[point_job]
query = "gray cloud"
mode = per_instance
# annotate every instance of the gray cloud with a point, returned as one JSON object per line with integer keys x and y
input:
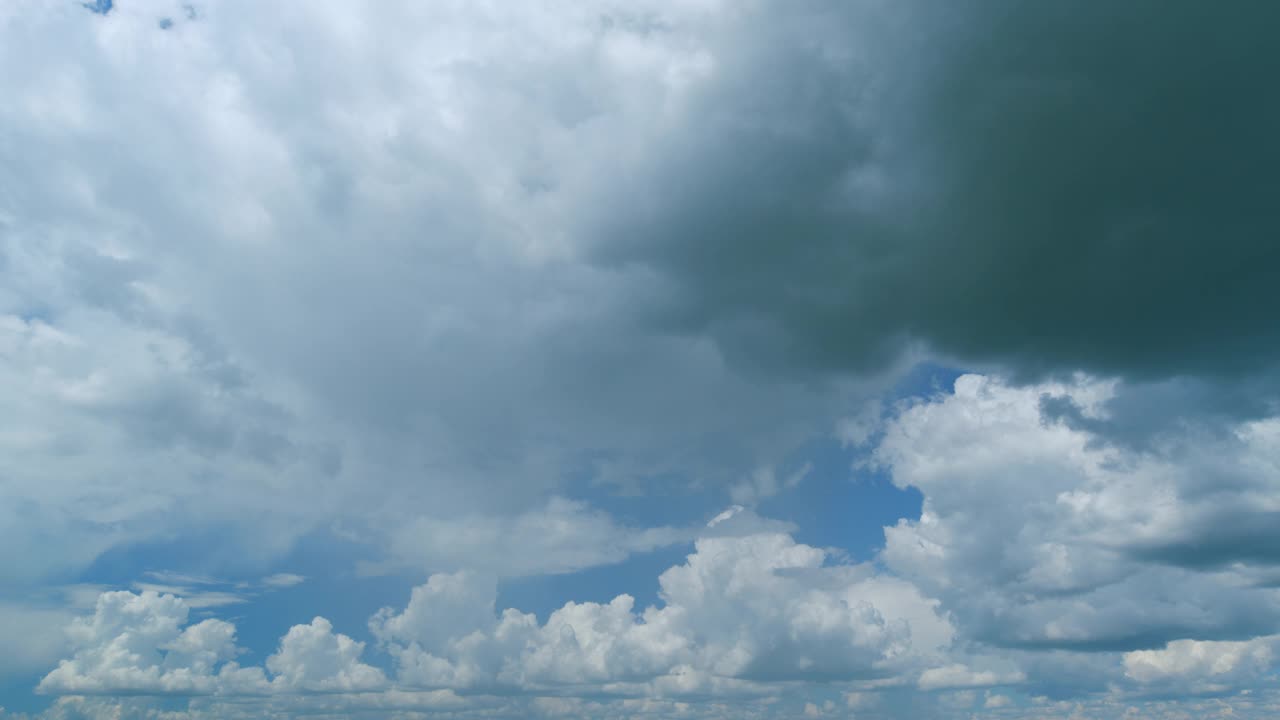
{"x": 262, "y": 272}
{"x": 1046, "y": 188}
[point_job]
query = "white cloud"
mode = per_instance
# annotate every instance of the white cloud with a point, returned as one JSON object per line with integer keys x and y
{"x": 753, "y": 608}
{"x": 283, "y": 580}
{"x": 313, "y": 657}
{"x": 743, "y": 613}
{"x": 192, "y": 598}
{"x": 1194, "y": 661}
{"x": 200, "y": 591}
{"x": 995, "y": 700}
{"x": 1039, "y": 535}
{"x": 138, "y": 643}
{"x": 142, "y": 644}
{"x": 745, "y": 618}
{"x": 960, "y": 676}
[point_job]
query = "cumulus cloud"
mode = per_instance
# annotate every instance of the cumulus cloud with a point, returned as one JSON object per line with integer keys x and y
{"x": 142, "y": 644}
{"x": 994, "y": 701}
{"x": 754, "y": 608}
{"x": 1037, "y": 536}
{"x": 1199, "y": 662}
{"x": 313, "y": 657}
{"x": 744, "y": 615}
{"x": 961, "y": 676}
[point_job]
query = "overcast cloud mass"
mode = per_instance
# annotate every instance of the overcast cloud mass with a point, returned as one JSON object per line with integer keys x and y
{"x": 639, "y": 359}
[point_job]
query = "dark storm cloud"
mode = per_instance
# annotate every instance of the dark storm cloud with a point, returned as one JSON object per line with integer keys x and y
{"x": 1046, "y": 187}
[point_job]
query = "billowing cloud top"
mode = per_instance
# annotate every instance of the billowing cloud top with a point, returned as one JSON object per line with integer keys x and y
{"x": 639, "y": 359}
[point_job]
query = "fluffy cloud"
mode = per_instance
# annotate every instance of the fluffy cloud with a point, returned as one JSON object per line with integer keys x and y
{"x": 313, "y": 657}
{"x": 750, "y": 616}
{"x": 960, "y": 676}
{"x": 744, "y": 615}
{"x": 142, "y": 644}
{"x": 1046, "y": 540}
{"x": 1041, "y": 535}
{"x": 138, "y": 644}
{"x": 750, "y": 608}
{"x": 1198, "y": 663}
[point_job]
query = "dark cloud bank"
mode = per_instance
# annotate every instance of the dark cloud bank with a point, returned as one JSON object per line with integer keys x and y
{"x": 1046, "y": 187}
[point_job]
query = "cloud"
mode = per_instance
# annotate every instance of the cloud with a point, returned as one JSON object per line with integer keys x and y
{"x": 742, "y": 616}
{"x": 960, "y": 676}
{"x": 1037, "y": 536}
{"x": 142, "y": 644}
{"x": 201, "y": 591}
{"x": 754, "y": 608}
{"x": 747, "y": 618}
{"x": 437, "y": 273}
{"x": 313, "y": 657}
{"x": 764, "y": 482}
{"x": 994, "y": 701}
{"x": 282, "y": 580}
{"x": 33, "y": 637}
{"x": 973, "y": 180}
{"x": 138, "y": 644}
{"x": 344, "y": 287}
{"x": 1065, "y": 557}
{"x": 193, "y": 599}
{"x": 559, "y": 537}
{"x": 1192, "y": 664}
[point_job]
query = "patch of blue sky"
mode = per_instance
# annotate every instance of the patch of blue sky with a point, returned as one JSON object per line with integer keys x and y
{"x": 102, "y": 7}
{"x": 839, "y": 504}
{"x": 636, "y": 576}
{"x": 925, "y": 380}
{"x": 843, "y": 502}
{"x": 333, "y": 589}
{"x": 16, "y": 694}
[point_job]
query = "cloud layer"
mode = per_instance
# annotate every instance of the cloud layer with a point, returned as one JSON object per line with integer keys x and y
{"x": 742, "y": 612}
{"x": 1079, "y": 605}
{"x": 479, "y": 292}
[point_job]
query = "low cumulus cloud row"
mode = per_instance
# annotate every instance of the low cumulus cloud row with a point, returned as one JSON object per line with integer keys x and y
{"x": 742, "y": 612}
{"x": 1087, "y": 600}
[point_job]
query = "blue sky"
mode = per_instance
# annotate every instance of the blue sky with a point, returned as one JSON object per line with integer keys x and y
{"x": 639, "y": 359}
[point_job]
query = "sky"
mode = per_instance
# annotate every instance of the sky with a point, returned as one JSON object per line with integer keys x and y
{"x": 639, "y": 359}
